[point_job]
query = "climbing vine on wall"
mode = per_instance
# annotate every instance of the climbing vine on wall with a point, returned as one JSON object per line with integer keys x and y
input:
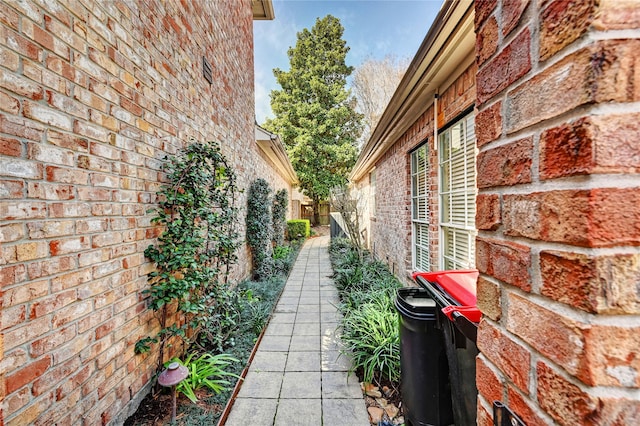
{"x": 197, "y": 212}
{"x": 279, "y": 210}
{"x": 260, "y": 228}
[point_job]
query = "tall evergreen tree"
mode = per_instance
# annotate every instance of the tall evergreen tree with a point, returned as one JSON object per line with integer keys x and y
{"x": 315, "y": 112}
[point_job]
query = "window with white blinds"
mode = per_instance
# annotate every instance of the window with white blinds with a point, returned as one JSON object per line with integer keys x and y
{"x": 420, "y": 207}
{"x": 458, "y": 194}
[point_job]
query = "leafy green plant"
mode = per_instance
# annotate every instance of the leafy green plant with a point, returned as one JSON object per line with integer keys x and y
{"x": 370, "y": 333}
{"x": 281, "y": 252}
{"x": 279, "y": 211}
{"x": 221, "y": 318}
{"x": 259, "y": 228}
{"x": 370, "y": 323}
{"x": 205, "y": 371}
{"x": 196, "y": 211}
{"x": 259, "y": 314}
{"x": 283, "y": 258}
{"x": 250, "y": 295}
{"x": 298, "y": 229}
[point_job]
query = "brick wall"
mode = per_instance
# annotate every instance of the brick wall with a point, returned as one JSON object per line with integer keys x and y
{"x": 277, "y": 179}
{"x": 391, "y": 230}
{"x": 559, "y": 210}
{"x": 93, "y": 95}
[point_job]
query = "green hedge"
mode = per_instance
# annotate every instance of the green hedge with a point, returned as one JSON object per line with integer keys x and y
{"x": 298, "y": 228}
{"x": 259, "y": 228}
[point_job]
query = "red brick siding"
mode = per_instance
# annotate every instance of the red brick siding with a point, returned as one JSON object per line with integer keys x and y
{"x": 392, "y": 229}
{"x": 559, "y": 211}
{"x": 93, "y": 96}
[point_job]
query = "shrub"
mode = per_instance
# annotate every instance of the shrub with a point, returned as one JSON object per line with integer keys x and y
{"x": 298, "y": 229}
{"x": 222, "y": 318}
{"x": 279, "y": 210}
{"x": 255, "y": 312}
{"x": 197, "y": 246}
{"x": 283, "y": 257}
{"x": 257, "y": 302}
{"x": 370, "y": 322}
{"x": 259, "y": 229}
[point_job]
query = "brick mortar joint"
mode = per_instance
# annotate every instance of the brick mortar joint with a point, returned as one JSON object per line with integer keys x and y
{"x": 538, "y": 246}
{"x": 570, "y": 183}
{"x": 579, "y": 112}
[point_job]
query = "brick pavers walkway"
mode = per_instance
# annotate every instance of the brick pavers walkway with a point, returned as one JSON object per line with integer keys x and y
{"x": 298, "y": 376}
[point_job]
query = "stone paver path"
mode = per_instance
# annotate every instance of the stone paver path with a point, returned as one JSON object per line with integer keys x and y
{"x": 298, "y": 376}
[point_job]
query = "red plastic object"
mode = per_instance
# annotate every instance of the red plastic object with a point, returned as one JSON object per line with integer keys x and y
{"x": 461, "y": 286}
{"x": 472, "y": 313}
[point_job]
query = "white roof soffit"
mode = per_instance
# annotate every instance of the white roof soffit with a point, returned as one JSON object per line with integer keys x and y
{"x": 449, "y": 44}
{"x": 271, "y": 145}
{"x": 262, "y": 9}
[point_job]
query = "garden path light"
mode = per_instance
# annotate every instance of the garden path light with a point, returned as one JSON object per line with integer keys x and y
{"x": 170, "y": 377}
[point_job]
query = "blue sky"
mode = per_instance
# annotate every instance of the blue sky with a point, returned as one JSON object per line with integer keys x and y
{"x": 373, "y": 28}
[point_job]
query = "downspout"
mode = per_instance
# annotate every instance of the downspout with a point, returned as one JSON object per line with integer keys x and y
{"x": 435, "y": 149}
{"x": 435, "y": 121}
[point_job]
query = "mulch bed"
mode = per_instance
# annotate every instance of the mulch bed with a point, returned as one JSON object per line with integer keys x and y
{"x": 154, "y": 410}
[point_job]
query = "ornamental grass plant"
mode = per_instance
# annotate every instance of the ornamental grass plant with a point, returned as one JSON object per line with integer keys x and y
{"x": 370, "y": 324}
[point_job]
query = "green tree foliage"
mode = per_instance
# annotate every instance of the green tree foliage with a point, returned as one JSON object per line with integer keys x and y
{"x": 315, "y": 113}
{"x": 280, "y": 201}
{"x": 259, "y": 228}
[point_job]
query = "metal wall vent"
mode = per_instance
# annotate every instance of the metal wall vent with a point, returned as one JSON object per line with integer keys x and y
{"x": 206, "y": 70}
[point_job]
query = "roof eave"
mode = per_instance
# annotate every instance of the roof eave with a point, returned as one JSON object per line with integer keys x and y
{"x": 271, "y": 145}
{"x": 262, "y": 10}
{"x": 427, "y": 71}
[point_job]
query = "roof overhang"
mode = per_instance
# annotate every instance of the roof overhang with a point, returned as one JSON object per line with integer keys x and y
{"x": 262, "y": 9}
{"x": 272, "y": 147}
{"x": 446, "y": 51}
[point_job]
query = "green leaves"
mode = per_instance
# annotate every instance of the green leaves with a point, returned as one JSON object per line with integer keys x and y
{"x": 371, "y": 334}
{"x": 370, "y": 322}
{"x": 206, "y": 371}
{"x": 260, "y": 228}
{"x": 298, "y": 229}
{"x": 197, "y": 213}
{"x": 314, "y": 112}
{"x": 143, "y": 345}
{"x": 279, "y": 212}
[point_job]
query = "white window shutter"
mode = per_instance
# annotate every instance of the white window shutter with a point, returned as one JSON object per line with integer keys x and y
{"x": 420, "y": 170}
{"x": 458, "y": 194}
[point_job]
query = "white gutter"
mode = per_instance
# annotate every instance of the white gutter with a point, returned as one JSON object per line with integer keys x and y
{"x": 271, "y": 145}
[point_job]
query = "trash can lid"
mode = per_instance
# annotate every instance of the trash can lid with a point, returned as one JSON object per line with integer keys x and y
{"x": 460, "y": 285}
{"x": 415, "y": 303}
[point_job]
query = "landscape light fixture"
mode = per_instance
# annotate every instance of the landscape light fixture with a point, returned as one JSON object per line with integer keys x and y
{"x": 170, "y": 377}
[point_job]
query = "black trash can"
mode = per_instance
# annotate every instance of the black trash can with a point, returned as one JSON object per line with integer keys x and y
{"x": 426, "y": 393}
{"x": 455, "y": 295}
